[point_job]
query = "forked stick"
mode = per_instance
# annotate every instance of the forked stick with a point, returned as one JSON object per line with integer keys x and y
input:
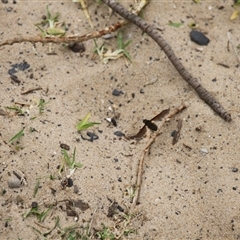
{"x": 146, "y": 149}
{"x": 154, "y": 34}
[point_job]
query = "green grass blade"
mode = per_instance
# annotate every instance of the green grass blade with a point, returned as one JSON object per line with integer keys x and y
{"x": 17, "y": 136}
{"x": 66, "y": 158}
{"x": 84, "y": 124}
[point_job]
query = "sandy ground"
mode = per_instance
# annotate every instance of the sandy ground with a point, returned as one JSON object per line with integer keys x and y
{"x": 189, "y": 190}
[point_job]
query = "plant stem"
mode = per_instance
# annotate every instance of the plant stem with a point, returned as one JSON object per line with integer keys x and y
{"x": 154, "y": 34}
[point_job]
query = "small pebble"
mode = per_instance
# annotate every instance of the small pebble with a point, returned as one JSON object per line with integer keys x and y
{"x": 199, "y": 38}
{"x": 204, "y": 151}
{"x": 92, "y": 136}
{"x": 69, "y": 182}
{"x": 119, "y": 134}
{"x": 116, "y": 92}
{"x": 14, "y": 182}
{"x": 4, "y": 1}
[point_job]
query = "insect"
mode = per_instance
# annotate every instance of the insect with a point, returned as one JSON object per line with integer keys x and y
{"x": 149, "y": 124}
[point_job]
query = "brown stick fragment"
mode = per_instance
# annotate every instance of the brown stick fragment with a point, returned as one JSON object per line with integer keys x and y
{"x": 154, "y": 34}
{"x": 146, "y": 149}
{"x": 31, "y": 90}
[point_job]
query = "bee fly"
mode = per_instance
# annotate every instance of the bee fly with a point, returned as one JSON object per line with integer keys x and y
{"x": 149, "y": 124}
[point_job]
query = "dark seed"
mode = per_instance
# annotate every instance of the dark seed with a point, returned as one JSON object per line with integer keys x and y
{"x": 199, "y": 38}
{"x": 64, "y": 146}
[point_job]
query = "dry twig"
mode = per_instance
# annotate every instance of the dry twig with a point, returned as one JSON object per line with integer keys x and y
{"x": 146, "y": 149}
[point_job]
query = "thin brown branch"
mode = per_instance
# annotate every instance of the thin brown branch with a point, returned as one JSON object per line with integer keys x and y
{"x": 64, "y": 39}
{"x": 146, "y": 149}
{"x": 154, "y": 34}
{"x": 31, "y": 90}
{"x": 74, "y": 38}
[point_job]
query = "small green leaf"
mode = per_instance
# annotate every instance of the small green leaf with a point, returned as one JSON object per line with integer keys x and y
{"x": 84, "y": 124}
{"x": 174, "y": 24}
{"x": 17, "y": 136}
{"x": 197, "y": 1}
{"x": 56, "y": 31}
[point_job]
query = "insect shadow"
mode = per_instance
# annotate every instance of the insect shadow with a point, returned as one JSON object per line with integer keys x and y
{"x": 150, "y": 124}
